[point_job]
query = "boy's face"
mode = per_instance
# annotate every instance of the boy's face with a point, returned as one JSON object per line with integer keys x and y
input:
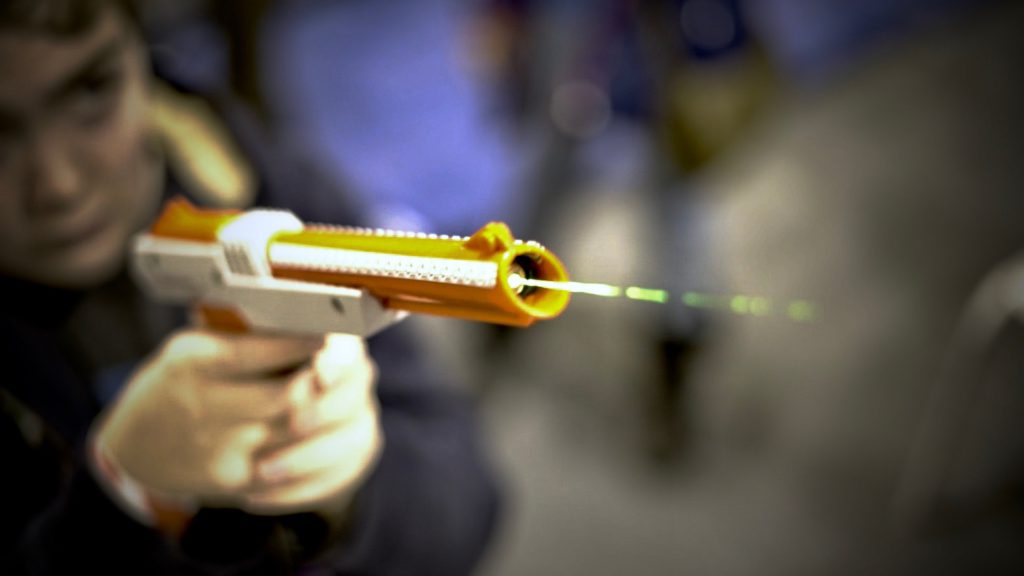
{"x": 76, "y": 176}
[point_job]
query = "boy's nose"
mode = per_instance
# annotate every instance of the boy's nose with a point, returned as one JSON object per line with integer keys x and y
{"x": 54, "y": 177}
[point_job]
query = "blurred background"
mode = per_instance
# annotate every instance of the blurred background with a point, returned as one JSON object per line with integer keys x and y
{"x": 829, "y": 191}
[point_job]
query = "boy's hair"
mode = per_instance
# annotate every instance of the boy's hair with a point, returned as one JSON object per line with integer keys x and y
{"x": 58, "y": 17}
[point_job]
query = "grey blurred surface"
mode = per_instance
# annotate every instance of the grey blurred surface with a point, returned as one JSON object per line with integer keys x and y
{"x": 884, "y": 199}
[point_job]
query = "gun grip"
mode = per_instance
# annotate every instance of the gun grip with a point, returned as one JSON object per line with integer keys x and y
{"x": 223, "y": 319}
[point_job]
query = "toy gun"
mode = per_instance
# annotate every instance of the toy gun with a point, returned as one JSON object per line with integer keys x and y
{"x": 265, "y": 270}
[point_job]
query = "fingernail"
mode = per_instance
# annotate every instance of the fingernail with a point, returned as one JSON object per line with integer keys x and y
{"x": 273, "y": 471}
{"x": 306, "y": 422}
{"x": 319, "y": 387}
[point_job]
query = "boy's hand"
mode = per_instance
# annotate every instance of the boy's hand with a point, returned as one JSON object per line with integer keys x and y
{"x": 266, "y": 424}
{"x": 333, "y": 435}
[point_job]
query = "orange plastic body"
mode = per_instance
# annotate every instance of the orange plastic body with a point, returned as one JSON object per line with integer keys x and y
{"x": 494, "y": 243}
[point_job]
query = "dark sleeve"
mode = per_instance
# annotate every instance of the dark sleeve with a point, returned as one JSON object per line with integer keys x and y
{"x": 84, "y": 532}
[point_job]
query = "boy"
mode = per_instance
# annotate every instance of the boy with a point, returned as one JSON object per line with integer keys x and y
{"x": 240, "y": 453}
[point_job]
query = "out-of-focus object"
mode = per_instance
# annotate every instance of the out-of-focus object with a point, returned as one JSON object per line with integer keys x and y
{"x": 959, "y": 394}
{"x": 265, "y": 270}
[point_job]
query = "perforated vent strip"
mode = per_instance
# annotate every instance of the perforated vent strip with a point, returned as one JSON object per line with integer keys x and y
{"x": 341, "y": 261}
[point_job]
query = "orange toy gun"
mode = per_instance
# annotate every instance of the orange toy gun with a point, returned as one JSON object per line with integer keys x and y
{"x": 265, "y": 270}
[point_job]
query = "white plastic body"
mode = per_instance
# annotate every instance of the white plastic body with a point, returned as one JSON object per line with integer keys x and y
{"x": 234, "y": 274}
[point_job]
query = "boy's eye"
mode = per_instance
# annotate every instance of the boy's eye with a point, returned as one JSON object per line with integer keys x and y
{"x": 94, "y": 98}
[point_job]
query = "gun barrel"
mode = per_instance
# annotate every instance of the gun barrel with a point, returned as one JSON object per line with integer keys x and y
{"x": 462, "y": 277}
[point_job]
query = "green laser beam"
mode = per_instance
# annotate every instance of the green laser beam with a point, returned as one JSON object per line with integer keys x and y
{"x": 647, "y": 294}
{"x": 606, "y": 290}
{"x": 737, "y": 304}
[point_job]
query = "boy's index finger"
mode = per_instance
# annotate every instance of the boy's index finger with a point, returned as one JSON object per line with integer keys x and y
{"x": 341, "y": 354}
{"x": 261, "y": 356}
{"x": 242, "y": 355}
